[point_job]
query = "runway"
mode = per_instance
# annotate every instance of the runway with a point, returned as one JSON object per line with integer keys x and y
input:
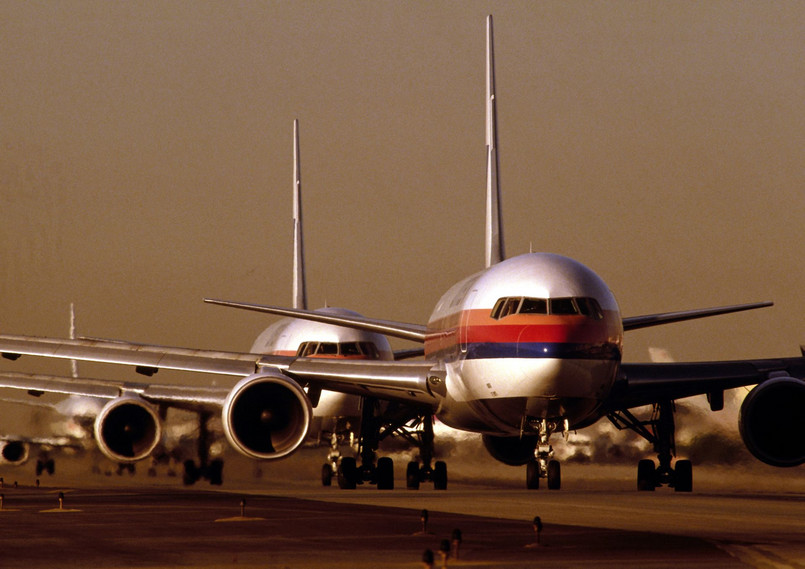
{"x": 141, "y": 522}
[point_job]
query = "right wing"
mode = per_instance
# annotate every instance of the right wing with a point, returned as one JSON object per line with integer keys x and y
{"x": 412, "y": 382}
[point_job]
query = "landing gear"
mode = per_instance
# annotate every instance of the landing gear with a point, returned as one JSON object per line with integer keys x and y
{"x": 206, "y": 469}
{"x": 45, "y": 465}
{"x": 659, "y": 430}
{"x": 377, "y": 423}
{"x": 543, "y": 465}
{"x": 420, "y": 434}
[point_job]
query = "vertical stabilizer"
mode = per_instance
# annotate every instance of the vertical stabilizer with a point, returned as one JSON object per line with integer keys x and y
{"x": 299, "y": 290}
{"x": 494, "y": 225}
{"x": 73, "y": 363}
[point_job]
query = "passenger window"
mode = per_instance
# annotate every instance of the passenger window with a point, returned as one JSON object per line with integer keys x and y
{"x": 563, "y": 306}
{"x": 534, "y": 306}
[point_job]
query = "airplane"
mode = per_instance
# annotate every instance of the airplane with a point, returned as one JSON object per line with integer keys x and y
{"x": 526, "y": 348}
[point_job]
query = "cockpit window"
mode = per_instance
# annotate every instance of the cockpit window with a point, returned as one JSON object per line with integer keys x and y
{"x": 563, "y": 306}
{"x": 534, "y": 306}
{"x": 507, "y": 306}
{"x": 364, "y": 350}
{"x": 590, "y": 307}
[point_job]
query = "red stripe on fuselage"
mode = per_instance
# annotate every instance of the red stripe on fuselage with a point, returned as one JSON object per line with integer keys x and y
{"x": 477, "y": 326}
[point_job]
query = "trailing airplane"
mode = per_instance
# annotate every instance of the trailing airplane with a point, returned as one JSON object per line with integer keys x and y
{"x": 526, "y": 348}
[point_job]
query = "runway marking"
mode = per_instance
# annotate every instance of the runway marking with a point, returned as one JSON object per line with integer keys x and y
{"x": 759, "y": 557}
{"x": 240, "y": 519}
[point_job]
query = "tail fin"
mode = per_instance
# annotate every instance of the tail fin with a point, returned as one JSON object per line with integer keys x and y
{"x": 73, "y": 363}
{"x": 494, "y": 224}
{"x": 299, "y": 289}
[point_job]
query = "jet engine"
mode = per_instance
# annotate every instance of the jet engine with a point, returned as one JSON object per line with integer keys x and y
{"x": 127, "y": 429}
{"x": 266, "y": 416}
{"x": 13, "y": 452}
{"x": 514, "y": 451}
{"x": 772, "y": 421}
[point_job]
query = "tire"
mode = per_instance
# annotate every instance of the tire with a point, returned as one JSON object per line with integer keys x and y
{"x": 412, "y": 476}
{"x": 326, "y": 475}
{"x": 532, "y": 475}
{"x": 554, "y": 475}
{"x": 683, "y": 476}
{"x": 385, "y": 473}
{"x": 646, "y": 476}
{"x": 190, "y": 473}
{"x": 50, "y": 466}
{"x": 216, "y": 472}
{"x": 347, "y": 473}
{"x": 440, "y": 475}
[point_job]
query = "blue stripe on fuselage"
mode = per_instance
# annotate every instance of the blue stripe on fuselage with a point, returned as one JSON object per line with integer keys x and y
{"x": 489, "y": 350}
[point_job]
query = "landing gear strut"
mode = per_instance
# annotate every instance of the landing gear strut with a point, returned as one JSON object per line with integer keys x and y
{"x": 659, "y": 430}
{"x": 543, "y": 465}
{"x": 378, "y": 423}
{"x": 206, "y": 469}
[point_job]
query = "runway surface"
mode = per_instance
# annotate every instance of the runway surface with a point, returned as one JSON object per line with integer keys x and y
{"x": 293, "y": 523}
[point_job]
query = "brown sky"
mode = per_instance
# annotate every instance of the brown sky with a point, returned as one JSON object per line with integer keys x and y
{"x": 146, "y": 160}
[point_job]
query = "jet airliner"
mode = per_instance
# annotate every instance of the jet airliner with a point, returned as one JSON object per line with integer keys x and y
{"x": 528, "y": 347}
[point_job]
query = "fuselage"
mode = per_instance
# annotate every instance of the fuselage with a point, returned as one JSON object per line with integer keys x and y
{"x": 295, "y": 337}
{"x": 532, "y": 338}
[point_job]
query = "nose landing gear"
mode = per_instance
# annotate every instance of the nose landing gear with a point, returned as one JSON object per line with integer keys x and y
{"x": 543, "y": 465}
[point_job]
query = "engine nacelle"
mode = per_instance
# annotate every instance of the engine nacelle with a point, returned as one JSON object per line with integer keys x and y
{"x": 127, "y": 429}
{"x": 514, "y": 451}
{"x": 13, "y": 452}
{"x": 266, "y": 416}
{"x": 772, "y": 421}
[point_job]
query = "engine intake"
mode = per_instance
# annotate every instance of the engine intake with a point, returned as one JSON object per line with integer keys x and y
{"x": 127, "y": 429}
{"x": 772, "y": 421}
{"x": 13, "y": 452}
{"x": 266, "y": 416}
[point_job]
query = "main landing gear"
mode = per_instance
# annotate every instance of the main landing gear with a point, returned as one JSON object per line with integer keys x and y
{"x": 205, "y": 469}
{"x": 376, "y": 425}
{"x": 45, "y": 464}
{"x": 543, "y": 465}
{"x": 659, "y": 430}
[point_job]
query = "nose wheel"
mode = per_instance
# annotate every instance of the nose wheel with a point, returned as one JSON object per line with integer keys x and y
{"x": 543, "y": 465}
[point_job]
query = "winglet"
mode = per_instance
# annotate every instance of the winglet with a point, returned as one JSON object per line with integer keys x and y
{"x": 299, "y": 289}
{"x": 494, "y": 225}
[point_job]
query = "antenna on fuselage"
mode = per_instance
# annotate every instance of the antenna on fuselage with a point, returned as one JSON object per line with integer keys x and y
{"x": 494, "y": 224}
{"x": 299, "y": 290}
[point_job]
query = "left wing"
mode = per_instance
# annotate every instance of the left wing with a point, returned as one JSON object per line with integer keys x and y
{"x": 414, "y": 332}
{"x": 648, "y": 383}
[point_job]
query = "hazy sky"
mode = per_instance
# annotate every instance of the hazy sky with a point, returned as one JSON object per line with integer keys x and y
{"x": 146, "y": 160}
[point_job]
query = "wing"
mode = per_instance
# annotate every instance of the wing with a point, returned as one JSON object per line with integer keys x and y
{"x": 414, "y": 332}
{"x": 635, "y": 322}
{"x": 413, "y": 382}
{"x": 648, "y": 383}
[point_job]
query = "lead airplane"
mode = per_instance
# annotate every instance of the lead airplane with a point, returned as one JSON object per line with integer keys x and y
{"x": 529, "y": 347}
